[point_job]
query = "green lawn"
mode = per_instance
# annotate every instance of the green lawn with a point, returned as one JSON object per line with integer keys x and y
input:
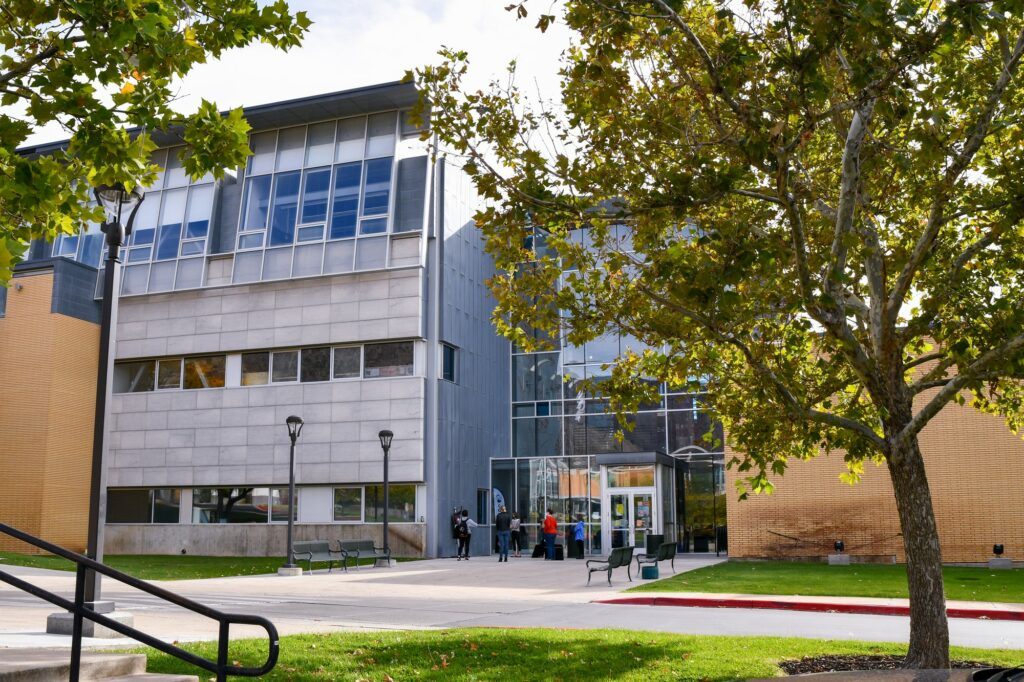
{"x": 537, "y": 654}
{"x": 167, "y": 567}
{"x": 859, "y": 580}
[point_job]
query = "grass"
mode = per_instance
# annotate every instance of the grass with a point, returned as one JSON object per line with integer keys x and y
{"x": 537, "y": 654}
{"x": 167, "y": 567}
{"x": 858, "y": 580}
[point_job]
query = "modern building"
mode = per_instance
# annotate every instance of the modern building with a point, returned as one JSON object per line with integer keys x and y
{"x": 339, "y": 277}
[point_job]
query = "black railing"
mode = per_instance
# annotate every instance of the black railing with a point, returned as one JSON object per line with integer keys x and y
{"x": 80, "y": 611}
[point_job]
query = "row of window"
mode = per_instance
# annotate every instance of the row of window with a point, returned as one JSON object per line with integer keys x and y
{"x": 368, "y": 361}
{"x": 352, "y": 504}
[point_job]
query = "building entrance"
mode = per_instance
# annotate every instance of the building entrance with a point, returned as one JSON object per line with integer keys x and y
{"x": 631, "y": 516}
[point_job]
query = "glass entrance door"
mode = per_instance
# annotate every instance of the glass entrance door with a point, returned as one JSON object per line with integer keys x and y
{"x": 631, "y": 517}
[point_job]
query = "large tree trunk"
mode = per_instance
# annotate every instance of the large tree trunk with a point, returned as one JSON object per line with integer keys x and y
{"x": 929, "y": 629}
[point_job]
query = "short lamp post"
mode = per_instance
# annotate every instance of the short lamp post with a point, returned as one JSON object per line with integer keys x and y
{"x": 385, "y": 443}
{"x": 294, "y": 429}
{"x": 119, "y": 207}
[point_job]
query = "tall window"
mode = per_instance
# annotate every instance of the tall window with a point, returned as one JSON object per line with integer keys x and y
{"x": 317, "y": 199}
{"x": 170, "y": 233}
{"x": 449, "y": 355}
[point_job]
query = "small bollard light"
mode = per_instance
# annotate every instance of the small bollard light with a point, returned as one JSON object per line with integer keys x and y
{"x": 840, "y": 546}
{"x": 997, "y": 550}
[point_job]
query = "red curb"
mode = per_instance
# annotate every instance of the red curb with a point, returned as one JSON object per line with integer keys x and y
{"x": 820, "y": 607}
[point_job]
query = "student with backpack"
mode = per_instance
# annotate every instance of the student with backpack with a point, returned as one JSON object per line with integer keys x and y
{"x": 464, "y": 533}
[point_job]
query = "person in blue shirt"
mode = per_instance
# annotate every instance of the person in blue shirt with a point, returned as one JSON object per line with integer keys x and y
{"x": 579, "y": 537}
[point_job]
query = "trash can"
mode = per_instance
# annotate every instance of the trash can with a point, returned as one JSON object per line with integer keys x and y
{"x": 649, "y": 572}
{"x": 654, "y": 542}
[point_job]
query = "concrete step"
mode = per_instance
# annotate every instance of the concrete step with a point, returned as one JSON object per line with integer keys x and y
{"x": 54, "y": 665}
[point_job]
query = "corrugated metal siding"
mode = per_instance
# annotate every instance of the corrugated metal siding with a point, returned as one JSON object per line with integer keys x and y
{"x": 473, "y": 413}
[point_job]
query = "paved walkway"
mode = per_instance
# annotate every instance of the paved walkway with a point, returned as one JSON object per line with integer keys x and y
{"x": 444, "y": 593}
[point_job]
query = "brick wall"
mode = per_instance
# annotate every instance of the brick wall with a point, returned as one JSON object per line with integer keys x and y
{"x": 975, "y": 467}
{"x": 47, "y": 399}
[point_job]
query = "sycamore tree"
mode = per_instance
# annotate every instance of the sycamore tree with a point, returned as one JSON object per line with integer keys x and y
{"x": 96, "y": 69}
{"x": 824, "y": 201}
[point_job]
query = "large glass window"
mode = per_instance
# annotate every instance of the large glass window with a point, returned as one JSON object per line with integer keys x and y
{"x": 344, "y": 192}
{"x": 284, "y": 208}
{"x": 314, "y": 195}
{"x": 347, "y": 361}
{"x": 255, "y": 368}
{"x": 346, "y": 200}
{"x": 134, "y": 377}
{"x": 169, "y": 373}
{"x": 348, "y": 504}
{"x": 129, "y": 506}
{"x": 204, "y": 372}
{"x": 448, "y": 358}
{"x": 401, "y": 503}
{"x": 286, "y": 366}
{"x": 316, "y": 364}
{"x": 388, "y": 360}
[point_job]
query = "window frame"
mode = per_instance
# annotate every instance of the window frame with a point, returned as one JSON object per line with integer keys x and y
{"x": 446, "y": 349}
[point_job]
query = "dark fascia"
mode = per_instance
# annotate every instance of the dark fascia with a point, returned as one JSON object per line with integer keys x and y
{"x": 355, "y": 102}
{"x": 621, "y": 458}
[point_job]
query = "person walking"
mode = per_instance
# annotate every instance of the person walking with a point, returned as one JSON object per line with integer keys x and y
{"x": 550, "y": 533}
{"x": 514, "y": 530}
{"x": 579, "y": 536}
{"x": 464, "y": 532}
{"x": 503, "y": 526}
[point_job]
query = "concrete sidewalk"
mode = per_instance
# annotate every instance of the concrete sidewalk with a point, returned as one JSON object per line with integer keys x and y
{"x": 443, "y": 593}
{"x": 858, "y": 605}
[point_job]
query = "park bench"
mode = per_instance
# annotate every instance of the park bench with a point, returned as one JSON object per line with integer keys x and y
{"x": 315, "y": 550}
{"x": 666, "y": 552}
{"x": 619, "y": 558}
{"x": 359, "y": 549}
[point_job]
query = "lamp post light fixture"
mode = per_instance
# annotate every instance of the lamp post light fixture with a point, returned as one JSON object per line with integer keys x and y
{"x": 385, "y": 443}
{"x": 120, "y": 206}
{"x": 294, "y": 429}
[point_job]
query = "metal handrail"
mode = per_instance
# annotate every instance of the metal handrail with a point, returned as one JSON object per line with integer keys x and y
{"x": 80, "y": 611}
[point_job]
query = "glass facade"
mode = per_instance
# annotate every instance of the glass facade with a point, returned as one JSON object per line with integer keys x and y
{"x": 318, "y": 199}
{"x": 558, "y": 427}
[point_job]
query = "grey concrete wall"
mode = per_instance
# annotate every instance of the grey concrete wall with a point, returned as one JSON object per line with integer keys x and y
{"x": 236, "y": 436}
{"x": 323, "y": 310}
{"x": 473, "y": 413}
{"x": 245, "y": 539}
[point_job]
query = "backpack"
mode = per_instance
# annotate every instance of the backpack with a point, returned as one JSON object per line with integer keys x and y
{"x": 462, "y": 530}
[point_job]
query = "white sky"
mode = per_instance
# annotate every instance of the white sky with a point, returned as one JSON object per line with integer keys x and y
{"x": 355, "y": 43}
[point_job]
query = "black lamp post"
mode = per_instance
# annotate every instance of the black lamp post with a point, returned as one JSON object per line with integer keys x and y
{"x": 294, "y": 429}
{"x": 385, "y": 444}
{"x": 119, "y": 206}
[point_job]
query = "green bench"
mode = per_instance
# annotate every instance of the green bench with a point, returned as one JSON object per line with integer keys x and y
{"x": 666, "y": 552}
{"x": 360, "y": 549}
{"x": 619, "y": 558}
{"x": 315, "y": 550}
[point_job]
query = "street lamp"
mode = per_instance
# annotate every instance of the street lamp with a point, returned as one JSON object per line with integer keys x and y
{"x": 294, "y": 429}
{"x": 119, "y": 207}
{"x": 385, "y": 444}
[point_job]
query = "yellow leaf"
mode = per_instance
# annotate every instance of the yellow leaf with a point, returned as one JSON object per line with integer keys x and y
{"x": 127, "y": 89}
{"x": 190, "y": 37}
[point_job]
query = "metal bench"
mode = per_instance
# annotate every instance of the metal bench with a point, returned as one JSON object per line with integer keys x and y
{"x": 359, "y": 549}
{"x": 620, "y": 557}
{"x": 315, "y": 550}
{"x": 666, "y": 552}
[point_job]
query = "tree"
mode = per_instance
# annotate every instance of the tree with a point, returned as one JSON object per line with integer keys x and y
{"x": 824, "y": 201}
{"x": 97, "y": 68}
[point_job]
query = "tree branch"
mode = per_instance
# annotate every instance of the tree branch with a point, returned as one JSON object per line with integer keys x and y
{"x": 786, "y": 395}
{"x": 959, "y": 164}
{"x": 973, "y": 372}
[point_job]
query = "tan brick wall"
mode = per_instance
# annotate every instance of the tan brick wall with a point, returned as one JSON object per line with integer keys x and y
{"x": 975, "y": 468}
{"x": 47, "y": 398}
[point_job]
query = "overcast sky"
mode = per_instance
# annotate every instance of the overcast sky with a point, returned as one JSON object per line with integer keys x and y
{"x": 354, "y": 43}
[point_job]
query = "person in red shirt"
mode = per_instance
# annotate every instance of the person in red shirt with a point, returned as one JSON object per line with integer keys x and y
{"x": 550, "y": 532}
